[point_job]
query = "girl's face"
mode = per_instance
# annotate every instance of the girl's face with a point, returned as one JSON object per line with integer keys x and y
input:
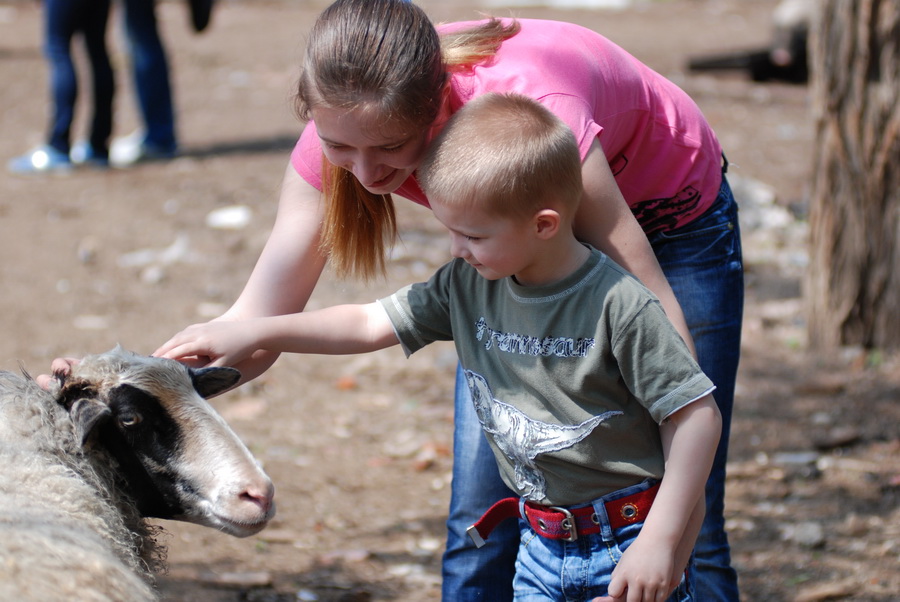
{"x": 381, "y": 157}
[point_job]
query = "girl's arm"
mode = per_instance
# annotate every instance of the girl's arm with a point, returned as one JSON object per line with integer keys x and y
{"x": 652, "y": 567}
{"x": 342, "y": 329}
{"x": 291, "y": 262}
{"x": 605, "y": 221}
{"x": 286, "y": 272}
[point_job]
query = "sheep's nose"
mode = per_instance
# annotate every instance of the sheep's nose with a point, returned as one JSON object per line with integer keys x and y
{"x": 262, "y": 495}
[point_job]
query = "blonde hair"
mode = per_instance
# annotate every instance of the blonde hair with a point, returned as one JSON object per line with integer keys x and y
{"x": 463, "y": 49}
{"x": 507, "y": 155}
{"x": 386, "y": 56}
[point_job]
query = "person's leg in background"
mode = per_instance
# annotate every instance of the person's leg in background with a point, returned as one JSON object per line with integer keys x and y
{"x": 152, "y": 83}
{"x": 96, "y": 17}
{"x": 703, "y": 264}
{"x": 60, "y": 23}
{"x": 201, "y": 13}
{"x": 61, "y": 19}
{"x": 471, "y": 573}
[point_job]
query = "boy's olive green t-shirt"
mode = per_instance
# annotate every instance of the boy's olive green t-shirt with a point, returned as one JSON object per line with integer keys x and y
{"x": 570, "y": 381}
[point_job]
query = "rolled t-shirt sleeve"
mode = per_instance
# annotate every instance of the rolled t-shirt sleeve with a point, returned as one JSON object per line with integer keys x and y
{"x": 657, "y": 365}
{"x": 306, "y": 158}
{"x": 576, "y": 113}
{"x": 420, "y": 313}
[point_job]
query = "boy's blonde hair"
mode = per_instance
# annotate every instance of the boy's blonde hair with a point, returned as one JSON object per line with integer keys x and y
{"x": 386, "y": 56}
{"x": 507, "y": 155}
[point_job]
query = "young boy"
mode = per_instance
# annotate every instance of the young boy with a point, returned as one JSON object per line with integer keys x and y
{"x": 590, "y": 399}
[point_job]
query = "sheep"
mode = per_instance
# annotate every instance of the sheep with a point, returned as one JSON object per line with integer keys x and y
{"x": 120, "y": 438}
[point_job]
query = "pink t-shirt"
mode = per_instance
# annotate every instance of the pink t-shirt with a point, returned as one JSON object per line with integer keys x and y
{"x": 664, "y": 155}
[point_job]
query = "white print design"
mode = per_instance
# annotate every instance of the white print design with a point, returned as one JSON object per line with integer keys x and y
{"x": 523, "y": 344}
{"x": 523, "y": 439}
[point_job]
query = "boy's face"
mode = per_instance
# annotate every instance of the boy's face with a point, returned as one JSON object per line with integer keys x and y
{"x": 496, "y": 247}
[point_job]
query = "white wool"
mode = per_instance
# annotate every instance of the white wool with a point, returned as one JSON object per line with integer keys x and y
{"x": 65, "y": 533}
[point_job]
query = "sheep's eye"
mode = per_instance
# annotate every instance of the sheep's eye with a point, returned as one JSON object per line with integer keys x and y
{"x": 130, "y": 420}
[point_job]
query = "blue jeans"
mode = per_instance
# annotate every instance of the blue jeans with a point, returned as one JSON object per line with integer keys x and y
{"x": 704, "y": 266}
{"x": 62, "y": 20}
{"x": 151, "y": 74}
{"x": 471, "y": 573}
{"x": 581, "y": 570}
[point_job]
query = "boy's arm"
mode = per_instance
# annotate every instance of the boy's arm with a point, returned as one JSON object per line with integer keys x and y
{"x": 342, "y": 329}
{"x": 654, "y": 563}
{"x": 337, "y": 330}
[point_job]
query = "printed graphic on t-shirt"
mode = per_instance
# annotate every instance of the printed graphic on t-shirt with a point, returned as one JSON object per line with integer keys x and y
{"x": 522, "y": 344}
{"x": 522, "y": 439}
{"x": 662, "y": 214}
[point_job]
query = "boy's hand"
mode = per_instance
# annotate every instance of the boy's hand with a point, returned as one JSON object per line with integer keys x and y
{"x": 646, "y": 573}
{"x": 216, "y": 343}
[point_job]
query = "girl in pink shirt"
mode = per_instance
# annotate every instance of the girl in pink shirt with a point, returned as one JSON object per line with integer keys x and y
{"x": 378, "y": 83}
{"x": 665, "y": 157}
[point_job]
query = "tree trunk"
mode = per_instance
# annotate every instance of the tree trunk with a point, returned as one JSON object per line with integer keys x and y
{"x": 853, "y": 283}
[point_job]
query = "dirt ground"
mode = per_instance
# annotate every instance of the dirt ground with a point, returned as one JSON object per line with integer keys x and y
{"x": 360, "y": 448}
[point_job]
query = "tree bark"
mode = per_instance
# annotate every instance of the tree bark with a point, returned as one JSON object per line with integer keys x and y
{"x": 852, "y": 288}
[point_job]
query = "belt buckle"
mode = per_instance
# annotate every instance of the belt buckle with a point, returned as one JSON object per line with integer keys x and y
{"x": 567, "y": 524}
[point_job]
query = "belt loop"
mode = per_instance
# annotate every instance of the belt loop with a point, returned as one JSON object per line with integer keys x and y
{"x": 602, "y": 519}
{"x": 724, "y": 163}
{"x": 522, "y": 509}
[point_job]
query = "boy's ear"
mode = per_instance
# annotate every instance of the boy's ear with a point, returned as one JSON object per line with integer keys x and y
{"x": 546, "y": 223}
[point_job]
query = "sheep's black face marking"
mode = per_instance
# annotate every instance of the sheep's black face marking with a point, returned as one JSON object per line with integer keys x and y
{"x": 145, "y": 440}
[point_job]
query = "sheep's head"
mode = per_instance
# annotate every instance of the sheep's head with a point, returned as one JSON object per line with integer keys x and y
{"x": 179, "y": 458}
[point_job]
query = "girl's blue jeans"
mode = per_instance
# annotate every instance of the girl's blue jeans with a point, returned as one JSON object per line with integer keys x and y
{"x": 580, "y": 570}
{"x": 704, "y": 266}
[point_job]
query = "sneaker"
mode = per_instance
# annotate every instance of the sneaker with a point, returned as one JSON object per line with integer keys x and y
{"x": 132, "y": 149}
{"x": 44, "y": 159}
{"x": 83, "y": 153}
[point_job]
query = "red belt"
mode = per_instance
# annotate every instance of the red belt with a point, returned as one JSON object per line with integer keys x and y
{"x": 554, "y": 522}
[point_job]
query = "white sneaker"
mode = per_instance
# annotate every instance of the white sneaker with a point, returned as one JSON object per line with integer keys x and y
{"x": 132, "y": 149}
{"x": 126, "y": 150}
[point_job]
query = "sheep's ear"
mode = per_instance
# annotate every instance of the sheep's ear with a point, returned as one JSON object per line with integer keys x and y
{"x": 86, "y": 414}
{"x": 212, "y": 381}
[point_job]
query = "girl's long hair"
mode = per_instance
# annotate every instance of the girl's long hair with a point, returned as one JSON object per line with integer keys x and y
{"x": 386, "y": 56}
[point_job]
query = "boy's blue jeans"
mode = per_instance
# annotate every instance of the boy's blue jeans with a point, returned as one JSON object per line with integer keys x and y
{"x": 580, "y": 570}
{"x": 704, "y": 266}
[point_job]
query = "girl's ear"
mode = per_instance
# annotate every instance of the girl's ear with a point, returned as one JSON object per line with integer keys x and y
{"x": 546, "y": 223}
